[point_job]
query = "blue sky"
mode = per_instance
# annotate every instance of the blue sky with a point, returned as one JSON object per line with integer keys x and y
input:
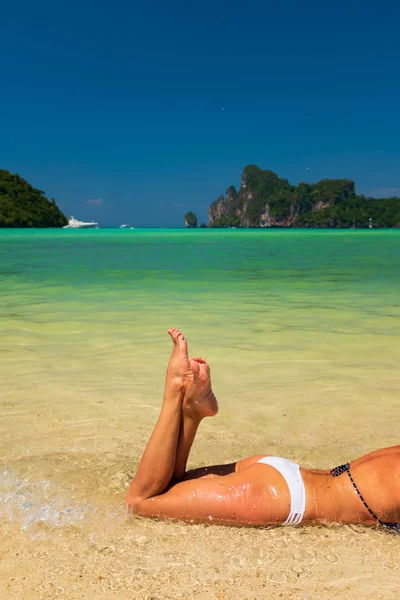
{"x": 131, "y": 112}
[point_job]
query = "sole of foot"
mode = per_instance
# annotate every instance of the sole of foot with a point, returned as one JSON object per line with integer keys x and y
{"x": 199, "y": 399}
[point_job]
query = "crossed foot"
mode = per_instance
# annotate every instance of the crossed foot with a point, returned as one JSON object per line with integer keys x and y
{"x": 192, "y": 377}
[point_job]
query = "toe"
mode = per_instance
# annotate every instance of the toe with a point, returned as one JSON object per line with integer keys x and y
{"x": 181, "y": 342}
{"x": 199, "y": 359}
{"x": 203, "y": 369}
{"x": 194, "y": 365}
{"x": 174, "y": 333}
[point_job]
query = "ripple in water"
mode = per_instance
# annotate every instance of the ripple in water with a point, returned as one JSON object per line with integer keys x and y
{"x": 33, "y": 505}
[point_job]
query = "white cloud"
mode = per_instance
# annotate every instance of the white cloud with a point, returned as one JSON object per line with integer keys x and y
{"x": 95, "y": 202}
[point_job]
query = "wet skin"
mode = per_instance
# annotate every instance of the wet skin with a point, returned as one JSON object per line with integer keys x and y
{"x": 245, "y": 492}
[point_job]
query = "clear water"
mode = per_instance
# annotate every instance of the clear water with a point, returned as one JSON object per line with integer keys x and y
{"x": 301, "y": 329}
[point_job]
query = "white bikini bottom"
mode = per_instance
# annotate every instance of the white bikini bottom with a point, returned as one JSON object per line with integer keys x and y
{"x": 291, "y": 473}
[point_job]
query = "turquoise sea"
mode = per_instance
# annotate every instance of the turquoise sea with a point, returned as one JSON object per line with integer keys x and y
{"x": 301, "y": 328}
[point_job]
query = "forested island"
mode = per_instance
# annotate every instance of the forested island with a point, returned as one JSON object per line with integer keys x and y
{"x": 21, "y": 205}
{"x": 265, "y": 200}
{"x": 190, "y": 220}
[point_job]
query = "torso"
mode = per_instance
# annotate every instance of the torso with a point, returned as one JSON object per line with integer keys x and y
{"x": 335, "y": 499}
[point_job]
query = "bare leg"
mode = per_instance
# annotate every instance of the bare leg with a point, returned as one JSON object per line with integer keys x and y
{"x": 158, "y": 461}
{"x": 236, "y": 498}
{"x": 199, "y": 402}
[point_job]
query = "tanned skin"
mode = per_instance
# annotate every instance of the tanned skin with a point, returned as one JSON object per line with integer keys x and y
{"x": 245, "y": 492}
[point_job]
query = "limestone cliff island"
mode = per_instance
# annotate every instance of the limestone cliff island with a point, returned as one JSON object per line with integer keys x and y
{"x": 265, "y": 200}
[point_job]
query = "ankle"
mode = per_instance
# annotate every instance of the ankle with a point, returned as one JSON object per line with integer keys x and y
{"x": 175, "y": 386}
{"x": 190, "y": 414}
{"x": 173, "y": 396}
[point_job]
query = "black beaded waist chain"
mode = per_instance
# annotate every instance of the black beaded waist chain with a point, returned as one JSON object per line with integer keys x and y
{"x": 395, "y": 527}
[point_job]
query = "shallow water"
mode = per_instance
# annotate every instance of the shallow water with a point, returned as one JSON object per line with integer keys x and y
{"x": 301, "y": 330}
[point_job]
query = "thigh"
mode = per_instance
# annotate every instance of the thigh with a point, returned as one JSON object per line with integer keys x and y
{"x": 257, "y": 495}
{"x": 226, "y": 469}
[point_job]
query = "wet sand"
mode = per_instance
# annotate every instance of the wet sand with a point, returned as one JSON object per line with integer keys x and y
{"x": 307, "y": 373}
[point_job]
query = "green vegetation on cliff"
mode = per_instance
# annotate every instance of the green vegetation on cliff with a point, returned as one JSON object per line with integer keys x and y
{"x": 21, "y": 205}
{"x": 190, "y": 220}
{"x": 265, "y": 200}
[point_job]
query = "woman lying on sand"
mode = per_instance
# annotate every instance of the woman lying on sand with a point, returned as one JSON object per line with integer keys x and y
{"x": 260, "y": 490}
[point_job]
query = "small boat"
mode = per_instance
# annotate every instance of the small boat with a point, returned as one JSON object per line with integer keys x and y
{"x": 125, "y": 226}
{"x": 75, "y": 224}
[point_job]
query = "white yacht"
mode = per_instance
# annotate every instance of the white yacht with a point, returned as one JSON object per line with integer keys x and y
{"x": 75, "y": 224}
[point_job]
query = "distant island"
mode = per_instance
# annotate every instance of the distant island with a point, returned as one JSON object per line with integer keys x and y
{"x": 21, "y": 205}
{"x": 265, "y": 200}
{"x": 190, "y": 220}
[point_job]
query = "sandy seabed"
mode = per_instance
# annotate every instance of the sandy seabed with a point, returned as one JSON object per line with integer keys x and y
{"x": 304, "y": 368}
{"x": 72, "y": 431}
